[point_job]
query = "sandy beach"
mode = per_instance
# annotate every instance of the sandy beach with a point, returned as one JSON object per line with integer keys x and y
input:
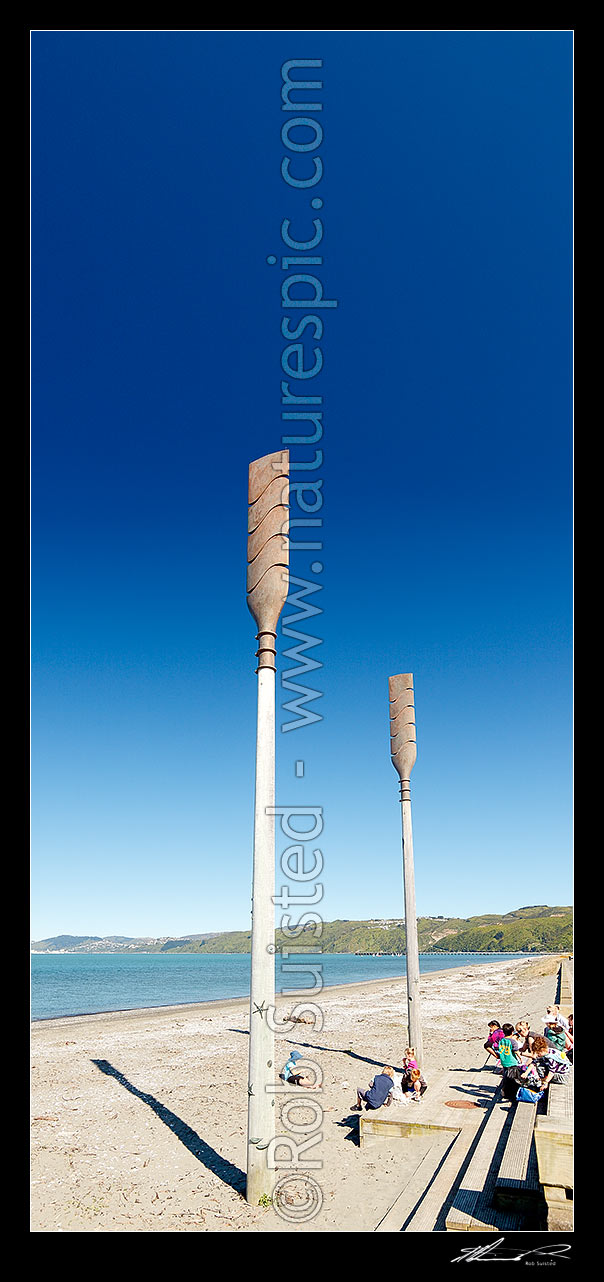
{"x": 139, "y": 1118}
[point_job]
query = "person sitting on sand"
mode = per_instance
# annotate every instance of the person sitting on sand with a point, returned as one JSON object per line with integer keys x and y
{"x": 378, "y": 1092}
{"x": 409, "y": 1060}
{"x": 495, "y": 1034}
{"x": 288, "y": 1075}
{"x": 414, "y": 1084}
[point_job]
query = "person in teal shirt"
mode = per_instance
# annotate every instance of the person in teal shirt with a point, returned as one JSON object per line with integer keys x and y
{"x": 289, "y": 1074}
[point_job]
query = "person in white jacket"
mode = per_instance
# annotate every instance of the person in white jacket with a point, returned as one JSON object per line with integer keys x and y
{"x": 397, "y": 1095}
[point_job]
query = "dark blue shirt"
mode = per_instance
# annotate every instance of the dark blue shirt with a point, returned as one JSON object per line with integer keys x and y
{"x": 382, "y": 1085}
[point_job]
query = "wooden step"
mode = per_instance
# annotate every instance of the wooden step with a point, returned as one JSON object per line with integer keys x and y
{"x": 415, "y": 1188}
{"x": 565, "y": 984}
{"x": 554, "y": 1134}
{"x": 554, "y": 1146}
{"x": 555, "y": 1125}
{"x": 470, "y": 1209}
{"x": 518, "y": 1180}
{"x": 427, "y": 1214}
{"x": 560, "y": 1100}
{"x": 372, "y": 1129}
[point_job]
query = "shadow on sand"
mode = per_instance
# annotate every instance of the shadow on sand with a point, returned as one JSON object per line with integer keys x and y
{"x": 334, "y": 1050}
{"x": 352, "y": 1122}
{"x": 225, "y": 1170}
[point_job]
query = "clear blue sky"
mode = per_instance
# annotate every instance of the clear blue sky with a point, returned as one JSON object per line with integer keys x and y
{"x": 156, "y": 347}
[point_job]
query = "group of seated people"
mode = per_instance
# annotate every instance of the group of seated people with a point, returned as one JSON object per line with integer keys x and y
{"x": 389, "y": 1087}
{"x": 530, "y": 1061}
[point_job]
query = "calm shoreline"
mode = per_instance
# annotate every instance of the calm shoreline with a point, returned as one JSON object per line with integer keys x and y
{"x": 228, "y": 1003}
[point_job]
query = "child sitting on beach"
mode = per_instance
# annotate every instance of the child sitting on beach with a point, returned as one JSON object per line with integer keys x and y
{"x": 555, "y": 1034}
{"x": 378, "y": 1092}
{"x": 520, "y": 1077}
{"x": 288, "y": 1074}
{"x": 507, "y": 1047}
{"x": 414, "y": 1084}
{"x": 495, "y": 1035}
{"x": 409, "y": 1060}
{"x": 551, "y": 1064}
{"x": 524, "y": 1036}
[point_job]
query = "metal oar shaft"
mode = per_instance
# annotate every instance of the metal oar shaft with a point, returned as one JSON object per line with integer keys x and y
{"x": 261, "y": 1103}
{"x": 412, "y": 944}
{"x": 403, "y": 748}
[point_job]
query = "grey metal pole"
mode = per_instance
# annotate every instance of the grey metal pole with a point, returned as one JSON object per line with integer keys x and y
{"x": 267, "y": 586}
{"x": 403, "y": 749}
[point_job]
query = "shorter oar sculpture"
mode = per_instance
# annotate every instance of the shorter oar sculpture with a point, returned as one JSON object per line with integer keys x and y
{"x": 267, "y": 586}
{"x": 403, "y": 749}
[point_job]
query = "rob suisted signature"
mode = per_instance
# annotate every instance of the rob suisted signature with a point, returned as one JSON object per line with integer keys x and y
{"x": 497, "y": 1251}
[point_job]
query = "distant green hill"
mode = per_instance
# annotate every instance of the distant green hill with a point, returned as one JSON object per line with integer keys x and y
{"x": 66, "y": 941}
{"x": 549, "y": 930}
{"x": 530, "y": 929}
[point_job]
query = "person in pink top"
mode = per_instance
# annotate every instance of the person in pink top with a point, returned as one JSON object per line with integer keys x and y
{"x": 495, "y": 1034}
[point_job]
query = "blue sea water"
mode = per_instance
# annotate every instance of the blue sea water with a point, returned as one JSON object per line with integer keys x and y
{"x": 88, "y": 983}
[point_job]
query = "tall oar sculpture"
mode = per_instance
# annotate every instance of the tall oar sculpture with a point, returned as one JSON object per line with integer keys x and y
{"x": 403, "y": 749}
{"x": 267, "y": 586}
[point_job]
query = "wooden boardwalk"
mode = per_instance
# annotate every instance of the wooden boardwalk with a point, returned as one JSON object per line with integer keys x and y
{"x": 455, "y": 1134}
{"x": 564, "y": 992}
{"x": 476, "y": 1085}
{"x": 492, "y": 1168}
{"x": 565, "y": 983}
{"x": 470, "y": 1207}
{"x": 517, "y": 1184}
{"x": 554, "y": 1147}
